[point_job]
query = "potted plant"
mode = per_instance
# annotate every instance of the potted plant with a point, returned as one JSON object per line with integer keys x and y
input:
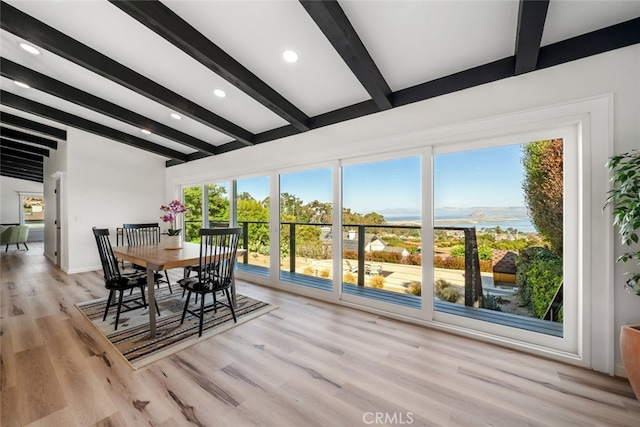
{"x": 624, "y": 198}
{"x": 172, "y": 210}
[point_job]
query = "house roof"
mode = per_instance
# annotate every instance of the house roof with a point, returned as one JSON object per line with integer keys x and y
{"x": 114, "y": 68}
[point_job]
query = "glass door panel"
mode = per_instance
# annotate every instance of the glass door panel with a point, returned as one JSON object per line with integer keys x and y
{"x": 381, "y": 235}
{"x": 218, "y": 206}
{"x": 252, "y": 214}
{"x": 192, "y": 197}
{"x": 498, "y": 237}
{"x": 306, "y": 228}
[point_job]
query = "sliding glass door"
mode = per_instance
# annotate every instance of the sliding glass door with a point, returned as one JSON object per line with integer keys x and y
{"x": 252, "y": 215}
{"x": 306, "y": 228}
{"x": 381, "y": 232}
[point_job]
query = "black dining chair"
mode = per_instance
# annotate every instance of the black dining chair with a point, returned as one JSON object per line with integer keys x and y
{"x": 196, "y": 267}
{"x": 114, "y": 279}
{"x": 218, "y": 249}
{"x": 146, "y": 234}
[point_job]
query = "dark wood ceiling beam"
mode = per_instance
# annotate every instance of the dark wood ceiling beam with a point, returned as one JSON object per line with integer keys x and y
{"x": 22, "y": 172}
{"x": 12, "y": 164}
{"x": 614, "y": 37}
{"x": 531, "y": 17}
{"x": 164, "y": 22}
{"x": 11, "y": 70}
{"x": 487, "y": 73}
{"x": 19, "y": 175}
{"x": 24, "y": 104}
{"x": 40, "y": 34}
{"x": 27, "y": 137}
{"x": 20, "y": 166}
{"x": 26, "y": 148}
{"x": 335, "y": 25}
{"x": 24, "y": 123}
{"x": 19, "y": 155}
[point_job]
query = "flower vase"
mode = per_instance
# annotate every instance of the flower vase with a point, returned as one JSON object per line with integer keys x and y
{"x": 173, "y": 242}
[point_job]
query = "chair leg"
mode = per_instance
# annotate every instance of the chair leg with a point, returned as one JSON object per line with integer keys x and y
{"x": 233, "y": 312}
{"x": 108, "y": 304}
{"x": 144, "y": 300}
{"x": 6, "y": 248}
{"x": 186, "y": 304}
{"x": 157, "y": 308}
{"x": 166, "y": 274}
{"x": 25, "y": 245}
{"x": 118, "y": 310}
{"x": 201, "y": 314}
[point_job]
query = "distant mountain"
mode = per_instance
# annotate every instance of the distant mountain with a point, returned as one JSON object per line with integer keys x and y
{"x": 482, "y": 212}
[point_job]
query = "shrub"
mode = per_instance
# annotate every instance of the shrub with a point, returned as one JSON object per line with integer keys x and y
{"x": 490, "y": 302}
{"x": 324, "y": 273}
{"x": 450, "y": 294}
{"x": 484, "y": 252}
{"x": 308, "y": 271}
{"x": 453, "y": 263}
{"x": 415, "y": 288}
{"x": 539, "y": 273}
{"x": 447, "y": 291}
{"x": 349, "y": 278}
{"x": 383, "y": 256}
{"x": 377, "y": 282}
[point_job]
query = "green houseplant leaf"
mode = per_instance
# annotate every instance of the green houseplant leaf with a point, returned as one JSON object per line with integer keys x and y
{"x": 624, "y": 198}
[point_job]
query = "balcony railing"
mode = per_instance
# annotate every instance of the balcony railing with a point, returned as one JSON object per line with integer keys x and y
{"x": 473, "y": 288}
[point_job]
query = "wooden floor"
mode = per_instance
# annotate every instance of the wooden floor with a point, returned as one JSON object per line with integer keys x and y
{"x": 308, "y": 363}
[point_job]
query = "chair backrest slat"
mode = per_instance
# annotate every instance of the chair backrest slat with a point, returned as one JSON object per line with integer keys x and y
{"x": 107, "y": 257}
{"x": 218, "y": 249}
{"x": 142, "y": 234}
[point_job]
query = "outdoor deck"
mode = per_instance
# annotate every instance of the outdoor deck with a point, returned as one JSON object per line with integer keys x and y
{"x": 412, "y": 301}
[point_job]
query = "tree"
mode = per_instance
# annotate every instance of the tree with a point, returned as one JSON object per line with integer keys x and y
{"x": 218, "y": 203}
{"x": 543, "y": 189}
{"x": 193, "y": 218}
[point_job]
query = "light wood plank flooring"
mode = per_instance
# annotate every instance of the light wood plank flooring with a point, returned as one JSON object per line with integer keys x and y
{"x": 308, "y": 363}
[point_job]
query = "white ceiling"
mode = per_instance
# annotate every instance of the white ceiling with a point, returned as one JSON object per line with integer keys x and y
{"x": 411, "y": 42}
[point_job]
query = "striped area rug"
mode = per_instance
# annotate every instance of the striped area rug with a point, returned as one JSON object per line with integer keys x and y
{"x": 132, "y": 337}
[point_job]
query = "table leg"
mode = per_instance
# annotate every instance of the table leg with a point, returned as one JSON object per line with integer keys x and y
{"x": 151, "y": 299}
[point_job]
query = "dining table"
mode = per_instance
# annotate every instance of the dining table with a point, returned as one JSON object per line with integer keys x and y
{"x": 157, "y": 257}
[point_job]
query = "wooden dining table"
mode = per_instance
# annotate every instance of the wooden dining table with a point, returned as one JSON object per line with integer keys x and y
{"x": 159, "y": 257}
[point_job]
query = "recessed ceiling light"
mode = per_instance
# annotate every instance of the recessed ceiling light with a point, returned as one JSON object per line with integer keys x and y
{"x": 24, "y": 85}
{"x": 146, "y": 132}
{"x": 219, "y": 93}
{"x": 290, "y": 56}
{"x": 32, "y": 50}
{"x": 176, "y": 116}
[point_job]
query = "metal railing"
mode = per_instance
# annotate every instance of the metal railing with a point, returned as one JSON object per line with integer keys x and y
{"x": 472, "y": 279}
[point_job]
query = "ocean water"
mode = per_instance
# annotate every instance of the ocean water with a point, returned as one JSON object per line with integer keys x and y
{"x": 521, "y": 224}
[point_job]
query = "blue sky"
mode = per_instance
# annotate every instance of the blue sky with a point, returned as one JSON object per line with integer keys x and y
{"x": 490, "y": 177}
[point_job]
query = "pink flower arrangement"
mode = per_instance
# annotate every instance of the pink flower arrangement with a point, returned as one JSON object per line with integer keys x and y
{"x": 174, "y": 208}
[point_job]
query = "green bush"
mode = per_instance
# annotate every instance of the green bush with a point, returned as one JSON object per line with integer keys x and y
{"x": 484, "y": 252}
{"x": 539, "y": 273}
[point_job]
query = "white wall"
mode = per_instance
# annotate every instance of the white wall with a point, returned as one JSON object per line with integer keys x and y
{"x": 616, "y": 72}
{"x": 10, "y": 199}
{"x": 104, "y": 184}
